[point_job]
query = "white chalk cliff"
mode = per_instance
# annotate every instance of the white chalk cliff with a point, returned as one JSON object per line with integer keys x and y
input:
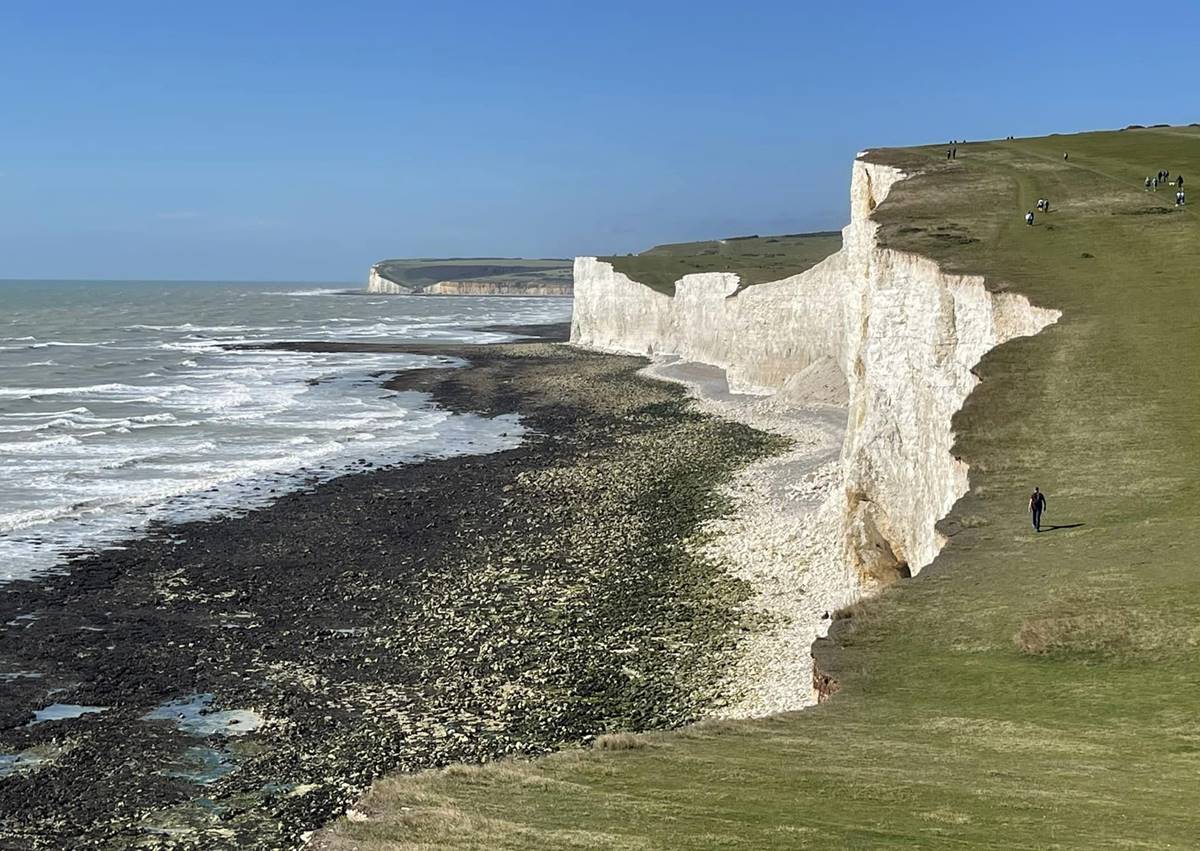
{"x": 903, "y": 334}
{"x": 508, "y": 288}
{"x": 377, "y": 283}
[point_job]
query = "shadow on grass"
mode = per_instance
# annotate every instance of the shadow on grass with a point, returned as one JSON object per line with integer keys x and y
{"x": 1062, "y": 526}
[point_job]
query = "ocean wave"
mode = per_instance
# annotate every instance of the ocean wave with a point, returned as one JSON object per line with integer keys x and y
{"x": 195, "y": 347}
{"x": 29, "y": 415}
{"x": 157, "y": 391}
{"x": 191, "y": 328}
{"x": 26, "y": 447}
{"x": 77, "y": 422}
{"x": 217, "y": 429}
{"x": 322, "y": 291}
{"x": 66, "y": 344}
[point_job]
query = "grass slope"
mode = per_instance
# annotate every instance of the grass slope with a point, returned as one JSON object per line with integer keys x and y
{"x": 424, "y": 272}
{"x": 1024, "y": 691}
{"x": 755, "y": 259}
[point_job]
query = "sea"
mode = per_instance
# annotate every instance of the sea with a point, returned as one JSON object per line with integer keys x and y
{"x": 122, "y": 403}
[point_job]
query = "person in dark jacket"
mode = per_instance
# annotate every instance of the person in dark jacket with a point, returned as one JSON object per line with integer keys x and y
{"x": 1037, "y": 505}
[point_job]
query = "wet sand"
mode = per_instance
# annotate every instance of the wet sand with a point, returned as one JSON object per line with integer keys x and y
{"x": 460, "y": 609}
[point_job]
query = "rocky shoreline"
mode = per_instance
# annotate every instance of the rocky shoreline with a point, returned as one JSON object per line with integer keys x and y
{"x": 461, "y": 609}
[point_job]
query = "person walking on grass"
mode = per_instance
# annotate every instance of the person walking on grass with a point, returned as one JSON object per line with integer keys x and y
{"x": 1037, "y": 504}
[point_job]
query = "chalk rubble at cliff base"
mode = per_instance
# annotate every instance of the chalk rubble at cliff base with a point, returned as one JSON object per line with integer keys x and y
{"x": 782, "y": 538}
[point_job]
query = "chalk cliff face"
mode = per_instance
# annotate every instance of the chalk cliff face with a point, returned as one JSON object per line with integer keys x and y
{"x": 792, "y": 323}
{"x": 376, "y": 283}
{"x": 495, "y": 288}
{"x": 904, "y": 335}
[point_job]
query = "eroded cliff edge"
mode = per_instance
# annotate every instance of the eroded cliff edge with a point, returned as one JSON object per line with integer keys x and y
{"x": 471, "y": 277}
{"x": 903, "y": 335}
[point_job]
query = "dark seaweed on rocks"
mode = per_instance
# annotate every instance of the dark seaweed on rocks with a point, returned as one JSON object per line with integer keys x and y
{"x": 463, "y": 609}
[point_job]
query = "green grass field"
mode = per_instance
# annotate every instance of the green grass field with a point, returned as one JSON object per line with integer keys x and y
{"x": 1024, "y": 691}
{"x": 423, "y": 272}
{"x": 756, "y": 259}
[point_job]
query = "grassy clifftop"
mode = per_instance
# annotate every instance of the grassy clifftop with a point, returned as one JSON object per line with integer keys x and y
{"x": 755, "y": 259}
{"x": 1033, "y": 691}
{"x": 423, "y": 272}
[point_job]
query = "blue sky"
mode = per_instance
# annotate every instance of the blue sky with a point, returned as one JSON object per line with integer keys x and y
{"x": 303, "y": 141}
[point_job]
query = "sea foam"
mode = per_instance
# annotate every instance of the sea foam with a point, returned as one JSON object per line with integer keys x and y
{"x": 173, "y": 425}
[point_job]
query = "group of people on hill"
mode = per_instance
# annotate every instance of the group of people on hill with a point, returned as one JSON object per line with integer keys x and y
{"x": 952, "y": 148}
{"x": 1043, "y": 205}
{"x": 1164, "y": 178}
{"x": 1152, "y": 183}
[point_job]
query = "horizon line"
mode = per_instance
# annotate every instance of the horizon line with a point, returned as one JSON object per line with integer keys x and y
{"x": 174, "y": 281}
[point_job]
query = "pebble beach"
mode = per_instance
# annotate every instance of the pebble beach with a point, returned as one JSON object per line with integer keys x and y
{"x": 238, "y": 682}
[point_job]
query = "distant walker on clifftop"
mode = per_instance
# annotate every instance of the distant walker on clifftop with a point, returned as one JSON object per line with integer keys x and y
{"x": 1037, "y": 505}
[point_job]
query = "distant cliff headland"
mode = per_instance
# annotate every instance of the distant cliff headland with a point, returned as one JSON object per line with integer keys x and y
{"x": 472, "y": 276}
